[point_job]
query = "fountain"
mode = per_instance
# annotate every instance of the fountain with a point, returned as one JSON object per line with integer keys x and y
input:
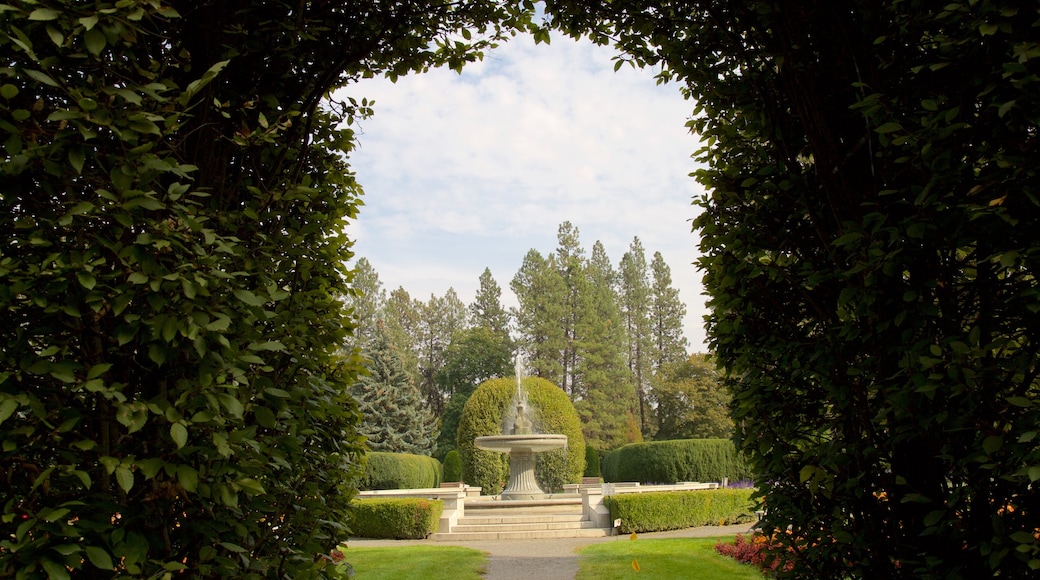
{"x": 521, "y": 443}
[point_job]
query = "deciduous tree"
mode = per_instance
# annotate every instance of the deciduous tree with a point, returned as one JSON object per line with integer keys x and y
{"x": 690, "y": 401}
{"x": 173, "y": 197}
{"x": 870, "y": 249}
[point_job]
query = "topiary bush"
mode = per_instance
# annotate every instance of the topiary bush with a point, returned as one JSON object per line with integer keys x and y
{"x": 676, "y": 510}
{"x": 400, "y": 471}
{"x": 452, "y": 466}
{"x": 395, "y": 518}
{"x": 483, "y": 415}
{"x": 672, "y": 461}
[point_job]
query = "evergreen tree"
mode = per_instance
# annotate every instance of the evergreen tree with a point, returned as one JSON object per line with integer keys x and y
{"x": 666, "y": 316}
{"x": 607, "y": 402}
{"x": 541, "y": 293}
{"x": 401, "y": 318}
{"x": 395, "y": 416}
{"x": 570, "y": 262}
{"x": 634, "y": 292}
{"x": 440, "y": 319}
{"x": 486, "y": 310}
{"x": 366, "y": 299}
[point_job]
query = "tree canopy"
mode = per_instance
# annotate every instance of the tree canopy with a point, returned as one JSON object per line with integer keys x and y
{"x": 870, "y": 251}
{"x": 174, "y": 196}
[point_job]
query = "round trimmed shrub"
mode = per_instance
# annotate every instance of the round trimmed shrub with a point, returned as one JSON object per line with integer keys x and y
{"x": 400, "y": 471}
{"x": 678, "y": 460}
{"x": 452, "y": 466}
{"x": 484, "y": 414}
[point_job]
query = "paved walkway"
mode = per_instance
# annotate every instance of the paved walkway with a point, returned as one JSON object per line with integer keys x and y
{"x": 545, "y": 559}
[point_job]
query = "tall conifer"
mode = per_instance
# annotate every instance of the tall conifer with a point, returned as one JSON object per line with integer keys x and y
{"x": 395, "y": 416}
{"x": 666, "y": 316}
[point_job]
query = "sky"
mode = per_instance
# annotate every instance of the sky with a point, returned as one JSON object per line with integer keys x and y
{"x": 471, "y": 171}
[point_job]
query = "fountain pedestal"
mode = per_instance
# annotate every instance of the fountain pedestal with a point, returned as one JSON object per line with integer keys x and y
{"x": 522, "y": 450}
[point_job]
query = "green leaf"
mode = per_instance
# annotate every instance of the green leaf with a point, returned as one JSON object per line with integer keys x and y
{"x": 99, "y": 557}
{"x": 8, "y": 91}
{"x": 249, "y": 298}
{"x": 188, "y": 478}
{"x": 1033, "y": 472}
{"x": 150, "y": 467}
{"x": 992, "y": 443}
{"x": 55, "y": 515}
{"x": 88, "y": 22}
{"x": 95, "y": 40}
{"x": 86, "y": 279}
{"x": 889, "y": 127}
{"x": 98, "y": 370}
{"x": 264, "y": 416}
{"x": 232, "y": 404}
{"x": 42, "y": 77}
{"x": 55, "y": 571}
{"x": 271, "y": 345}
{"x": 77, "y": 159}
{"x": 7, "y": 409}
{"x": 179, "y": 434}
{"x": 988, "y": 28}
{"x": 44, "y": 14}
{"x": 1024, "y": 402}
{"x": 56, "y": 36}
{"x": 195, "y": 86}
{"x": 125, "y": 478}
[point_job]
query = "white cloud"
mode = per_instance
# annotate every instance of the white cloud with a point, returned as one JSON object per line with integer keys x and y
{"x": 468, "y": 171}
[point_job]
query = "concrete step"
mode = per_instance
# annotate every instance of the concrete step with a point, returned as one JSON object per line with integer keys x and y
{"x": 521, "y": 527}
{"x": 520, "y": 535}
{"x": 499, "y": 526}
{"x": 515, "y": 519}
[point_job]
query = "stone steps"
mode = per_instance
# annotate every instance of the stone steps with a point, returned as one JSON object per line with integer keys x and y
{"x": 519, "y": 527}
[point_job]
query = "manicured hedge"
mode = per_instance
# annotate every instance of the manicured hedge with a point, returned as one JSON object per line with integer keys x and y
{"x": 592, "y": 462}
{"x": 674, "y": 461}
{"x": 395, "y": 518}
{"x": 483, "y": 415}
{"x": 452, "y": 466}
{"x": 400, "y": 471}
{"x": 676, "y": 510}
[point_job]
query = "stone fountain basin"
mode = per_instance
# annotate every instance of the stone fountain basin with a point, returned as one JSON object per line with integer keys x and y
{"x": 533, "y": 443}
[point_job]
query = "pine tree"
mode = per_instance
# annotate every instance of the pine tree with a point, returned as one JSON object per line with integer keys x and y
{"x": 541, "y": 293}
{"x": 395, "y": 416}
{"x": 607, "y": 404}
{"x": 666, "y": 316}
{"x": 366, "y": 299}
{"x": 440, "y": 319}
{"x": 634, "y": 292}
{"x": 486, "y": 311}
{"x": 401, "y": 319}
{"x": 570, "y": 262}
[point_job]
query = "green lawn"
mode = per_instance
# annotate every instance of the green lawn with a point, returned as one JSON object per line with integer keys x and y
{"x": 426, "y": 562}
{"x": 681, "y": 558}
{"x": 685, "y": 558}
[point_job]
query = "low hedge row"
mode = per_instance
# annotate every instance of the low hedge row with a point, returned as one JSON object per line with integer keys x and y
{"x": 676, "y": 510}
{"x": 396, "y": 519}
{"x": 674, "y": 461}
{"x": 400, "y": 471}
